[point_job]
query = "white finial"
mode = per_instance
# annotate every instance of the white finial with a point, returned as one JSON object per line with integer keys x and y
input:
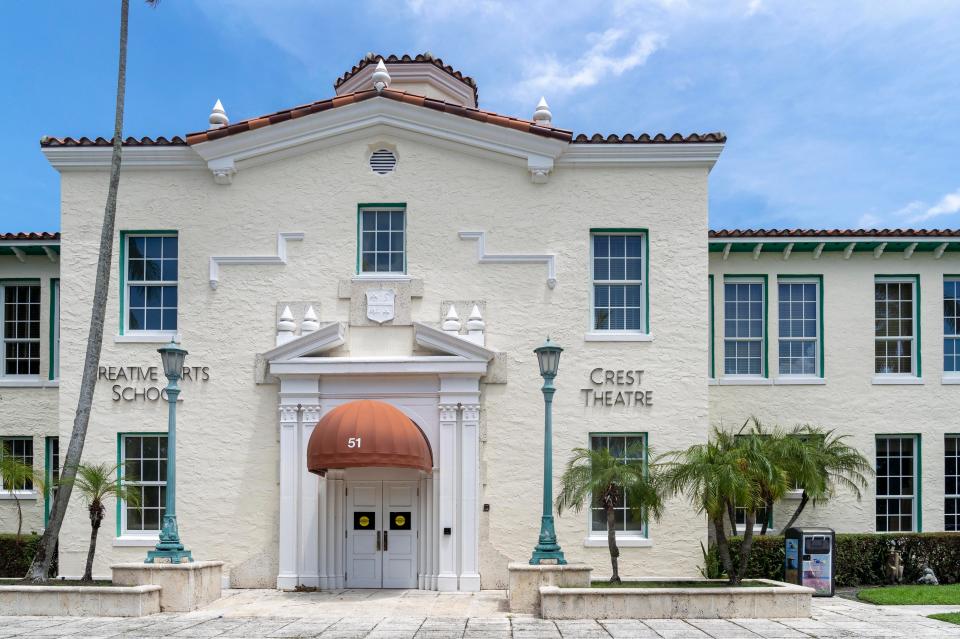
{"x": 452, "y": 323}
{"x": 475, "y": 322}
{"x": 285, "y": 326}
{"x": 542, "y": 115}
{"x": 381, "y": 79}
{"x": 310, "y": 323}
{"x": 218, "y": 117}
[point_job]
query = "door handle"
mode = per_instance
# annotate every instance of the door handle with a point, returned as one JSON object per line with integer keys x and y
{"x": 378, "y": 541}
{"x": 386, "y": 546}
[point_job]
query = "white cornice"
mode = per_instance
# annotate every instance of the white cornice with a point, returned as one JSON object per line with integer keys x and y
{"x": 628, "y": 154}
{"x": 324, "y": 339}
{"x": 65, "y": 158}
{"x": 12, "y": 243}
{"x": 437, "y": 340}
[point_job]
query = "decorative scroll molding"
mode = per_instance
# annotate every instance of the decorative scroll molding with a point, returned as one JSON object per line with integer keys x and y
{"x": 289, "y": 414}
{"x": 273, "y": 260}
{"x": 515, "y": 258}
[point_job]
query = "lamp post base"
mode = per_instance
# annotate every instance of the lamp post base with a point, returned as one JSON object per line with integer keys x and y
{"x": 547, "y": 551}
{"x": 169, "y": 549}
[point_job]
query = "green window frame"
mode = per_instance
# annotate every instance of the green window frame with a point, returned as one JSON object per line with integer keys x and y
{"x": 817, "y": 340}
{"x": 898, "y": 491}
{"x": 892, "y": 319}
{"x": 951, "y": 325}
{"x": 20, "y": 340}
{"x": 125, "y": 236}
{"x": 51, "y": 474}
{"x": 376, "y": 243}
{"x": 732, "y": 340}
{"x": 136, "y": 463}
{"x": 606, "y": 281}
{"x": 53, "y": 368}
{"x": 951, "y": 480}
{"x": 711, "y": 346}
{"x": 596, "y": 524}
{"x": 19, "y": 447}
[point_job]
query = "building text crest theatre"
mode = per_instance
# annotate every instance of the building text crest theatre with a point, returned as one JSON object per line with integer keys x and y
{"x": 616, "y": 387}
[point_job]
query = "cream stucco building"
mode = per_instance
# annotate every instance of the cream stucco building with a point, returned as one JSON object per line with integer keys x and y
{"x": 395, "y": 245}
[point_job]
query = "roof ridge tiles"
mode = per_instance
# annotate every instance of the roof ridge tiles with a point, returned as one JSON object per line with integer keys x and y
{"x": 406, "y": 58}
{"x": 839, "y": 233}
{"x": 31, "y": 235}
{"x": 717, "y": 137}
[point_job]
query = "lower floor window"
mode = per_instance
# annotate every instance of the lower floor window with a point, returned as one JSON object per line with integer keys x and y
{"x": 896, "y": 483}
{"x": 951, "y": 506}
{"x": 20, "y": 449}
{"x": 51, "y": 473}
{"x": 762, "y": 515}
{"x": 144, "y": 471}
{"x": 629, "y": 448}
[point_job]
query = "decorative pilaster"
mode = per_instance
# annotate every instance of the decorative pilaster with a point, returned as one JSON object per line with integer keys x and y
{"x": 469, "y": 498}
{"x": 308, "y": 551}
{"x": 448, "y": 526}
{"x": 289, "y": 511}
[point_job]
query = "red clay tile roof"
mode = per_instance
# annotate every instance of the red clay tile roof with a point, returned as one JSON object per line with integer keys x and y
{"x": 129, "y": 141}
{"x": 646, "y": 138}
{"x": 29, "y": 236}
{"x": 838, "y": 233}
{"x": 479, "y": 115}
{"x": 372, "y": 58}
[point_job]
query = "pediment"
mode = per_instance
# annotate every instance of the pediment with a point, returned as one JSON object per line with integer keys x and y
{"x": 314, "y": 344}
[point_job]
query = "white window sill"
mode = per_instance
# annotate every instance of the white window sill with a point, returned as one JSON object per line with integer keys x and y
{"x": 136, "y": 541}
{"x": 19, "y": 494}
{"x": 744, "y": 380}
{"x": 616, "y": 336}
{"x": 387, "y": 277}
{"x": 622, "y": 542}
{"x": 147, "y": 337}
{"x": 952, "y": 378}
{"x": 712, "y": 381}
{"x": 799, "y": 380}
{"x": 757, "y": 529}
{"x": 896, "y": 379}
{"x": 29, "y": 383}
{"x": 793, "y": 494}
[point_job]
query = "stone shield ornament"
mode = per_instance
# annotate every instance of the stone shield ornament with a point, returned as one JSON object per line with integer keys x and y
{"x": 380, "y": 305}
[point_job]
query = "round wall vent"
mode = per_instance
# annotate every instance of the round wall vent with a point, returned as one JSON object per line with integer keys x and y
{"x": 383, "y": 161}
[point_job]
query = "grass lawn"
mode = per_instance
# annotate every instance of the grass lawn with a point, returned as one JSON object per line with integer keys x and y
{"x": 952, "y": 617}
{"x": 917, "y": 595}
{"x": 678, "y": 584}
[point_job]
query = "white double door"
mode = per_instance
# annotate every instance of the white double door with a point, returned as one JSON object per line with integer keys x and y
{"x": 381, "y": 534}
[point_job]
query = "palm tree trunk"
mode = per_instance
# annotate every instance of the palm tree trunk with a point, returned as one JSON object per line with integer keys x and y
{"x": 766, "y": 520}
{"x": 13, "y": 491}
{"x": 732, "y": 514}
{"x": 612, "y": 543}
{"x": 747, "y": 543}
{"x": 41, "y": 561}
{"x": 804, "y": 498}
{"x": 723, "y": 548}
{"x": 96, "y": 518}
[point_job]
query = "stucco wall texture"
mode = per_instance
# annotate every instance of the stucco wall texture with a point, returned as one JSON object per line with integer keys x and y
{"x": 849, "y": 401}
{"x": 228, "y": 426}
{"x": 30, "y": 412}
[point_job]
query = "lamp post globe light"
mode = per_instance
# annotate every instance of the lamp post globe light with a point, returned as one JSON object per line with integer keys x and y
{"x": 547, "y": 550}
{"x": 169, "y": 549}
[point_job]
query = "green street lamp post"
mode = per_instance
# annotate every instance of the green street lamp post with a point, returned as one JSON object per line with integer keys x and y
{"x": 547, "y": 550}
{"x": 169, "y": 549}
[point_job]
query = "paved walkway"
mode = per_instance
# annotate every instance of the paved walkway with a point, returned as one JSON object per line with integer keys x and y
{"x": 370, "y": 614}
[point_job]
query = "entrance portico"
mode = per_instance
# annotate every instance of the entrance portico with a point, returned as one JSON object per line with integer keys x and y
{"x": 439, "y": 392}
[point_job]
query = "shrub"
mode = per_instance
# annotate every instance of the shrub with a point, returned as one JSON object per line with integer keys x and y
{"x": 15, "y": 557}
{"x": 860, "y": 558}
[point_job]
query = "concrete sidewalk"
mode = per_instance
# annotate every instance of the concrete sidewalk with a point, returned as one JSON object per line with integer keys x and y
{"x": 378, "y": 614}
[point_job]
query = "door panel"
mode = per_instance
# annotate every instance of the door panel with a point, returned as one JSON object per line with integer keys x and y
{"x": 363, "y": 521}
{"x": 381, "y": 534}
{"x": 400, "y": 528}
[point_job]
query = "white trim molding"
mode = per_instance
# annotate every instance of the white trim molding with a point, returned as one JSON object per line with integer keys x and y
{"x": 744, "y": 380}
{"x": 799, "y": 380}
{"x": 512, "y": 258}
{"x": 616, "y": 336}
{"x": 136, "y": 541}
{"x": 893, "y": 380}
{"x": 614, "y": 155}
{"x": 596, "y": 541}
{"x": 19, "y": 494}
{"x": 147, "y": 337}
{"x": 65, "y": 158}
{"x": 950, "y": 378}
{"x": 279, "y": 259}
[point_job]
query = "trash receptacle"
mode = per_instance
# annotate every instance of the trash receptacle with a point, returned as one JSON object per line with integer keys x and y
{"x": 809, "y": 559}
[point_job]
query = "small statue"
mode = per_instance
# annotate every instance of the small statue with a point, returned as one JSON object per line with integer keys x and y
{"x": 894, "y": 566}
{"x": 928, "y": 577}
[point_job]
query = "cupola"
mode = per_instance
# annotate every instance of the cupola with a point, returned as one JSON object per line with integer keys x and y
{"x": 422, "y": 74}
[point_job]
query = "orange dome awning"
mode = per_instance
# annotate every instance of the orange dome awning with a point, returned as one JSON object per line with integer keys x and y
{"x": 366, "y": 433}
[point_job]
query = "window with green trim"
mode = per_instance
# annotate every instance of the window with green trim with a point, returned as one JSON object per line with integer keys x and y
{"x": 20, "y": 449}
{"x": 151, "y": 282}
{"x": 382, "y": 240}
{"x": 897, "y": 483}
{"x": 799, "y": 326}
{"x": 20, "y": 317}
{"x": 895, "y": 326}
{"x": 626, "y": 447}
{"x": 618, "y": 282}
{"x": 54, "y": 372}
{"x": 144, "y": 471}
{"x": 951, "y": 503}
{"x": 51, "y": 474}
{"x": 743, "y": 327}
{"x": 951, "y": 324}
{"x": 763, "y": 514}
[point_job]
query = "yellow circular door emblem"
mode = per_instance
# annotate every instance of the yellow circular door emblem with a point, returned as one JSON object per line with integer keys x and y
{"x": 364, "y": 521}
{"x": 400, "y": 520}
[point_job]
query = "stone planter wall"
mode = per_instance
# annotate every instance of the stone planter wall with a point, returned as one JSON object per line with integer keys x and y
{"x": 526, "y": 580}
{"x": 103, "y": 601}
{"x": 776, "y": 601}
{"x": 185, "y": 586}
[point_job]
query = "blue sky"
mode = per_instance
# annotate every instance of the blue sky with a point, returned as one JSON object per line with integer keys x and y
{"x": 839, "y": 114}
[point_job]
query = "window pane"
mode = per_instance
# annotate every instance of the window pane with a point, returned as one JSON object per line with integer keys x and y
{"x": 382, "y": 242}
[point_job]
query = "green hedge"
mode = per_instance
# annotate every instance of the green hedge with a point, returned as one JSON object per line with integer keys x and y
{"x": 861, "y": 558}
{"x": 15, "y": 557}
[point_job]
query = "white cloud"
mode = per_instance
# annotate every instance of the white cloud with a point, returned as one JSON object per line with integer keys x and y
{"x": 868, "y": 221}
{"x": 606, "y": 57}
{"x": 948, "y": 204}
{"x": 754, "y": 7}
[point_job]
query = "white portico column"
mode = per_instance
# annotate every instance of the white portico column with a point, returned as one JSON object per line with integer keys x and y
{"x": 469, "y": 497}
{"x": 446, "y": 480}
{"x": 308, "y": 548}
{"x": 289, "y": 515}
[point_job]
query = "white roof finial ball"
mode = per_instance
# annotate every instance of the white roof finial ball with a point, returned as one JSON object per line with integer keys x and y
{"x": 218, "y": 117}
{"x": 381, "y": 79}
{"x": 542, "y": 115}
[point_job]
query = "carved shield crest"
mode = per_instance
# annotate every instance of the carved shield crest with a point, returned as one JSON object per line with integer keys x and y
{"x": 380, "y": 305}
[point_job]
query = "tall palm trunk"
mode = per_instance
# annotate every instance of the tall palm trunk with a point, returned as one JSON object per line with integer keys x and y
{"x": 612, "y": 544}
{"x": 40, "y": 567}
{"x": 804, "y": 498}
{"x": 723, "y": 547}
{"x": 745, "y": 546}
{"x": 766, "y": 520}
{"x": 732, "y": 514}
{"x": 96, "y": 518}
{"x": 19, "y": 513}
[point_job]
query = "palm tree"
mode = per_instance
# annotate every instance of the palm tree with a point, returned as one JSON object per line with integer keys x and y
{"x": 17, "y": 473}
{"x": 597, "y": 476}
{"x": 818, "y": 461}
{"x": 96, "y": 484}
{"x": 40, "y": 567}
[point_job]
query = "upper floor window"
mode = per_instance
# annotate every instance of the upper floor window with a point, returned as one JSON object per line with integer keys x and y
{"x": 20, "y": 315}
{"x": 951, "y": 325}
{"x": 382, "y": 240}
{"x": 619, "y": 302}
{"x": 744, "y": 319}
{"x": 21, "y": 449}
{"x": 895, "y": 326}
{"x": 151, "y": 282}
{"x": 799, "y": 327}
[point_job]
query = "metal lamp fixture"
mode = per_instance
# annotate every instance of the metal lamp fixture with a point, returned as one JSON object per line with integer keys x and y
{"x": 172, "y": 357}
{"x": 547, "y": 550}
